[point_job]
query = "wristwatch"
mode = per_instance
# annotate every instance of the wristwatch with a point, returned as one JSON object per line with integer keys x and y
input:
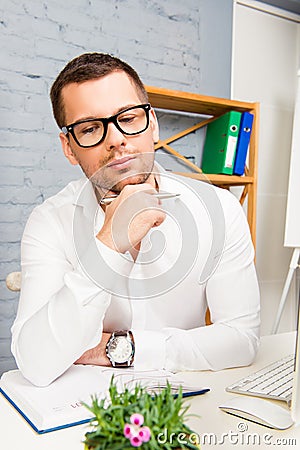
{"x": 120, "y": 348}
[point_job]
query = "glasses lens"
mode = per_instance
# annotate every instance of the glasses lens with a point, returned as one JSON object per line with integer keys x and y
{"x": 89, "y": 133}
{"x": 133, "y": 121}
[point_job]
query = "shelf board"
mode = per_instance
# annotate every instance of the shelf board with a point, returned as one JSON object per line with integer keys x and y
{"x": 194, "y": 103}
{"x": 230, "y": 180}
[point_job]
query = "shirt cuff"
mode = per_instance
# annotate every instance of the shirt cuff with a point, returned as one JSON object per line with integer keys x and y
{"x": 182, "y": 352}
{"x": 105, "y": 267}
{"x": 150, "y": 349}
{"x": 119, "y": 262}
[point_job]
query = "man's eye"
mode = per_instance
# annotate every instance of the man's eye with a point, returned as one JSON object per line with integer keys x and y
{"x": 91, "y": 129}
{"x": 126, "y": 119}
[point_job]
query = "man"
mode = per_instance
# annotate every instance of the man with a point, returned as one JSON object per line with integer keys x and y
{"x": 113, "y": 275}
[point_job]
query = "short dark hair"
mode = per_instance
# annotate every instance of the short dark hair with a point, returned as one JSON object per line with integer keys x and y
{"x": 90, "y": 66}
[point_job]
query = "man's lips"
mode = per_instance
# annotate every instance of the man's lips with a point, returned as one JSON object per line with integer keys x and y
{"x": 120, "y": 163}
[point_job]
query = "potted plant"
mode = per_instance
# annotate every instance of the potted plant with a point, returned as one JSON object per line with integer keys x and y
{"x": 138, "y": 418}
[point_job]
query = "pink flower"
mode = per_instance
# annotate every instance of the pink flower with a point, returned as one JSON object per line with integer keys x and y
{"x": 135, "y": 441}
{"x": 135, "y": 432}
{"x": 144, "y": 434}
{"x": 128, "y": 430}
{"x": 137, "y": 419}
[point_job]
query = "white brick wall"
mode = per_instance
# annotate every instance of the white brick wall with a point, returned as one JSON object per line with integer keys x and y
{"x": 160, "y": 38}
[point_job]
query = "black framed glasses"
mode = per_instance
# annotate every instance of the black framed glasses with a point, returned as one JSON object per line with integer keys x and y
{"x": 91, "y": 132}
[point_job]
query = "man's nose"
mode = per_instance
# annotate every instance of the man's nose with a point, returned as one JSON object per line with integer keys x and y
{"x": 114, "y": 137}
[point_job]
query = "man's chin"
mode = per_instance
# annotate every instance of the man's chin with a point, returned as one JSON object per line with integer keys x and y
{"x": 110, "y": 179}
{"x": 135, "y": 179}
{"x": 119, "y": 185}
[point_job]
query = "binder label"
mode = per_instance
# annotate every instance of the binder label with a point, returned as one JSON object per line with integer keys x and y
{"x": 231, "y": 146}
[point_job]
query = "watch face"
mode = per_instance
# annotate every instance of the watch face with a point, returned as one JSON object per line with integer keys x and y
{"x": 120, "y": 349}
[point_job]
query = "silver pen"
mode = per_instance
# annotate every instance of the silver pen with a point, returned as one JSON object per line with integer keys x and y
{"x": 159, "y": 195}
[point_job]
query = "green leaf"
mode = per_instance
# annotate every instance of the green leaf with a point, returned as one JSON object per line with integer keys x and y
{"x": 161, "y": 412}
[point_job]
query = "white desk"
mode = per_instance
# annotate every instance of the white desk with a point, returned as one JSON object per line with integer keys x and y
{"x": 213, "y": 425}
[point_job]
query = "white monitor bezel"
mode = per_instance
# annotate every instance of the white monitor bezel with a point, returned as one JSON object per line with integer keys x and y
{"x": 295, "y": 407}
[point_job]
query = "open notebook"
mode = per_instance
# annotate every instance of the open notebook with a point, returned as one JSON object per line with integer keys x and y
{"x": 59, "y": 405}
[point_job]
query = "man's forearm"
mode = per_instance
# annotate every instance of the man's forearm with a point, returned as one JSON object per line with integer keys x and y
{"x": 96, "y": 355}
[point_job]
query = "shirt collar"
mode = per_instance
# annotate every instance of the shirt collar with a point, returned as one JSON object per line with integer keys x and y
{"x": 85, "y": 197}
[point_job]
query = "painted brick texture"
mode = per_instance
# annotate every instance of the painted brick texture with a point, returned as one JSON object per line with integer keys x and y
{"x": 160, "y": 38}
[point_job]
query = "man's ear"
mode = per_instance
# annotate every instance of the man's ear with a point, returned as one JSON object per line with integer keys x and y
{"x": 67, "y": 149}
{"x": 154, "y": 125}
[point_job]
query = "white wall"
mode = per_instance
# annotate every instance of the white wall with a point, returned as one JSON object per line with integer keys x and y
{"x": 265, "y": 62}
{"x": 215, "y": 47}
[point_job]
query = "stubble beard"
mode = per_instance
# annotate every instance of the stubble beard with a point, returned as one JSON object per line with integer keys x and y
{"x": 105, "y": 179}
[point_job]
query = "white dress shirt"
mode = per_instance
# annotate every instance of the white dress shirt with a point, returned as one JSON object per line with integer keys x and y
{"x": 74, "y": 287}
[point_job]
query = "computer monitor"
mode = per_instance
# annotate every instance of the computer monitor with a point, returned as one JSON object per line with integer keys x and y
{"x": 295, "y": 407}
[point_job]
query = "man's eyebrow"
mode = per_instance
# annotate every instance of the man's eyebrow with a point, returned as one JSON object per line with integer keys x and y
{"x": 130, "y": 105}
{"x": 122, "y": 108}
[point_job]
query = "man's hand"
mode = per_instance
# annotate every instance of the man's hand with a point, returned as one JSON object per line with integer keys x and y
{"x": 97, "y": 355}
{"x": 130, "y": 216}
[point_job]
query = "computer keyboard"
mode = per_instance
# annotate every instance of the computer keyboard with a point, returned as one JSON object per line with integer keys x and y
{"x": 274, "y": 381}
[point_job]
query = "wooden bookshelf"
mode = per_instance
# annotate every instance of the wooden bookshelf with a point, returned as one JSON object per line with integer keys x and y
{"x": 212, "y": 107}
